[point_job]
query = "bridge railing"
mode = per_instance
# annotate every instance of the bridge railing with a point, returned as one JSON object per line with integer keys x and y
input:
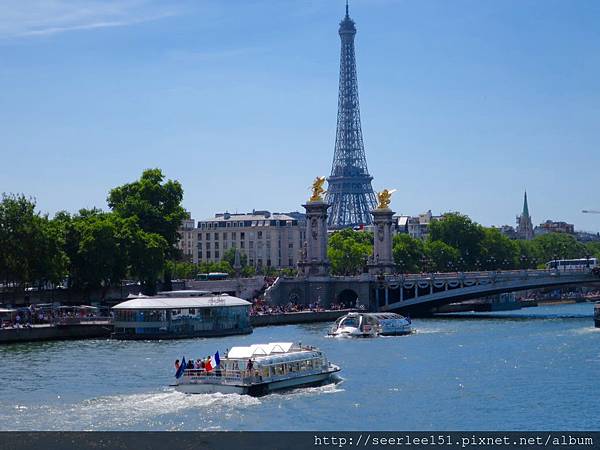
{"x": 497, "y": 275}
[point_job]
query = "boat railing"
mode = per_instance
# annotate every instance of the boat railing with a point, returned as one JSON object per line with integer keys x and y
{"x": 218, "y": 375}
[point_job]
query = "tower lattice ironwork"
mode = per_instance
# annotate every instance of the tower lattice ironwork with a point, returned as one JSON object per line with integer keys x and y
{"x": 349, "y": 192}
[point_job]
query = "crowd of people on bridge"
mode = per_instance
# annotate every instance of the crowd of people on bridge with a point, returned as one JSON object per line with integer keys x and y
{"x": 261, "y": 307}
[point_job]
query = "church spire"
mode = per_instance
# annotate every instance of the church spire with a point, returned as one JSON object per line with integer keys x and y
{"x": 347, "y": 9}
{"x": 525, "y": 206}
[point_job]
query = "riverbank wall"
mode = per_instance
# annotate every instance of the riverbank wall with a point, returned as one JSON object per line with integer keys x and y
{"x": 297, "y": 317}
{"x": 104, "y": 329}
{"x": 56, "y": 333}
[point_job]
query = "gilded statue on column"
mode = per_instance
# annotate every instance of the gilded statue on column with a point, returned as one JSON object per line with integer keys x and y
{"x": 317, "y": 189}
{"x": 384, "y": 198}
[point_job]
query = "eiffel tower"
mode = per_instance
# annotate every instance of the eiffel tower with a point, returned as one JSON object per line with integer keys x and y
{"x": 349, "y": 193}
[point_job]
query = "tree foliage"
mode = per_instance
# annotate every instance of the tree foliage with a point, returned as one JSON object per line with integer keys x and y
{"x": 32, "y": 246}
{"x": 408, "y": 253}
{"x": 348, "y": 251}
{"x": 154, "y": 203}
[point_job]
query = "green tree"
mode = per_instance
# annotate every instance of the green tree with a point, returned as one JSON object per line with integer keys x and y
{"x": 229, "y": 256}
{"x": 593, "y": 249}
{"x": 31, "y": 244}
{"x": 182, "y": 270}
{"x": 408, "y": 253}
{"x": 559, "y": 246}
{"x": 460, "y": 232}
{"x": 146, "y": 252}
{"x": 498, "y": 251}
{"x": 348, "y": 251}
{"x": 97, "y": 246}
{"x": 441, "y": 256}
{"x": 155, "y": 203}
{"x": 528, "y": 255}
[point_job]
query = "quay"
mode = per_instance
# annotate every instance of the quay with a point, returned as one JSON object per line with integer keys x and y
{"x": 104, "y": 328}
{"x": 50, "y": 332}
{"x": 292, "y": 318}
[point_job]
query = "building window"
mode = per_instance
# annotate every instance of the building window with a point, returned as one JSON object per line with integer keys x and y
{"x": 260, "y": 234}
{"x": 217, "y": 254}
{"x": 242, "y": 235}
{"x": 216, "y": 236}
{"x": 291, "y": 245}
{"x": 208, "y": 236}
{"x": 251, "y": 244}
{"x": 225, "y": 235}
{"x": 233, "y": 235}
{"x": 208, "y": 246}
{"x": 216, "y": 245}
{"x": 208, "y": 254}
{"x": 242, "y": 244}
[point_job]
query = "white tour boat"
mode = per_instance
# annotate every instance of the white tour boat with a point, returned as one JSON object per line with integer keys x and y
{"x": 371, "y": 325}
{"x": 260, "y": 369}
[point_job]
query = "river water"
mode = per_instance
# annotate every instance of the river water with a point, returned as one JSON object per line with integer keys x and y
{"x": 537, "y": 368}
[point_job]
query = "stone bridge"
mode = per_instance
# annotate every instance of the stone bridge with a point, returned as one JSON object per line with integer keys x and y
{"x": 417, "y": 294}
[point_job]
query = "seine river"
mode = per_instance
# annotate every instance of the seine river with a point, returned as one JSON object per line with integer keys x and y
{"x": 534, "y": 369}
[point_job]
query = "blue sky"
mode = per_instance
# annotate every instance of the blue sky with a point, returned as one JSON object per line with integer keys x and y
{"x": 465, "y": 103}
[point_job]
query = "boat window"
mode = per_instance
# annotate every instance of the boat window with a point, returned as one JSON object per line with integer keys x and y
{"x": 279, "y": 369}
{"x": 349, "y": 322}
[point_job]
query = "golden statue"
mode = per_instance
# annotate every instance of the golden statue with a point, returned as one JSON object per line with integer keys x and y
{"x": 385, "y": 197}
{"x": 317, "y": 189}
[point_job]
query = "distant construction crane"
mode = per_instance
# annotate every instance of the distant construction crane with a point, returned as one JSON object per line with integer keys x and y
{"x": 590, "y": 211}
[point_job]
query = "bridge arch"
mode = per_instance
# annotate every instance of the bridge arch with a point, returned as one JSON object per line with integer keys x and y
{"x": 347, "y": 297}
{"x": 296, "y": 296}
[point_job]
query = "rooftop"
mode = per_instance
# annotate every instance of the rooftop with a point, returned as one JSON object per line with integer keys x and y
{"x": 179, "y": 302}
{"x": 259, "y": 350}
{"x": 255, "y": 215}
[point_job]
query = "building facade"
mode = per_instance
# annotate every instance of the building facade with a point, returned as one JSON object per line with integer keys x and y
{"x": 550, "y": 226}
{"x": 415, "y": 226}
{"x": 268, "y": 240}
{"x": 188, "y": 240}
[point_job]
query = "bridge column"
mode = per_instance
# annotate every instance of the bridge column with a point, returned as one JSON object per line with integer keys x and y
{"x": 387, "y": 295}
{"x": 314, "y": 259}
{"x": 382, "y": 260}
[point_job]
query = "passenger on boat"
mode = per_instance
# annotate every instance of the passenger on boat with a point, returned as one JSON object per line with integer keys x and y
{"x": 177, "y": 364}
{"x": 249, "y": 366}
{"x": 190, "y": 364}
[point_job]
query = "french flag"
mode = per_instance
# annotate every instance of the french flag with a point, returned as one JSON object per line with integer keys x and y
{"x": 215, "y": 360}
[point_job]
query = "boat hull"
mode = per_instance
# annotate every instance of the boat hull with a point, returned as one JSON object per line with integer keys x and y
{"x": 258, "y": 389}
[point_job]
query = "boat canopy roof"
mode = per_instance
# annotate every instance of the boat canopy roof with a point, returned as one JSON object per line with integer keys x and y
{"x": 256, "y": 350}
{"x": 160, "y": 302}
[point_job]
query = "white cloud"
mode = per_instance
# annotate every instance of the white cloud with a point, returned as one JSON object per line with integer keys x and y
{"x": 21, "y": 18}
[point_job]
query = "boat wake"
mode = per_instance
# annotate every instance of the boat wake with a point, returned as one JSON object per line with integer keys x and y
{"x": 134, "y": 411}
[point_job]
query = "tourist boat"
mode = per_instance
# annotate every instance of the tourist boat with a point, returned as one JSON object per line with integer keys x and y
{"x": 371, "y": 325}
{"x": 260, "y": 369}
